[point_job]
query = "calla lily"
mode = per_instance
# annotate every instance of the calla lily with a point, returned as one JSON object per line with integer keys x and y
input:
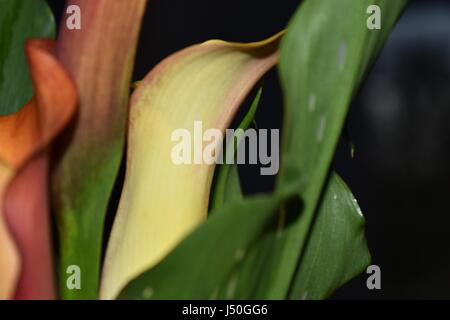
{"x": 26, "y": 266}
{"x": 274, "y": 245}
{"x": 100, "y": 59}
{"x": 206, "y": 82}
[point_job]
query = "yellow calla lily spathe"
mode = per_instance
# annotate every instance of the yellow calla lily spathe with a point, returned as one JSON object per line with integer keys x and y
{"x": 207, "y": 83}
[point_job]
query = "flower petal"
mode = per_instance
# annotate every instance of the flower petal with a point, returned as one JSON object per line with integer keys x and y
{"x": 9, "y": 257}
{"x": 24, "y": 138}
{"x": 28, "y": 131}
{"x": 208, "y": 83}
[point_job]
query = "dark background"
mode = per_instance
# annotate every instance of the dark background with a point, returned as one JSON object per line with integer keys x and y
{"x": 399, "y": 124}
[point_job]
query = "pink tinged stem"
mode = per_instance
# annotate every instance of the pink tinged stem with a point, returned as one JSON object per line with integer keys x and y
{"x": 87, "y": 157}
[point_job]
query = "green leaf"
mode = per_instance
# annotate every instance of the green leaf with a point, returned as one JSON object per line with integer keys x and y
{"x": 20, "y": 20}
{"x": 227, "y": 186}
{"x": 201, "y": 263}
{"x": 323, "y": 61}
{"x": 336, "y": 250}
{"x": 294, "y": 262}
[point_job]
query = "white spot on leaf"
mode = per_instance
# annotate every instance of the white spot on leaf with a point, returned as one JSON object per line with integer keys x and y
{"x": 215, "y": 294}
{"x": 312, "y": 103}
{"x": 358, "y": 209}
{"x": 239, "y": 255}
{"x": 342, "y": 56}
{"x": 321, "y": 129}
{"x": 232, "y": 286}
{"x": 147, "y": 293}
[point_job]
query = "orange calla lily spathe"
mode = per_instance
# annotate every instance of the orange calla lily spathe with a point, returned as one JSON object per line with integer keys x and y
{"x": 24, "y": 211}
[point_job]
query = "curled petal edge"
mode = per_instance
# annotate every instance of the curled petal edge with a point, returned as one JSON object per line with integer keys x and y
{"x": 24, "y": 139}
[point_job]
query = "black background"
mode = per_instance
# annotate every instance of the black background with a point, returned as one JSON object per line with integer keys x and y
{"x": 399, "y": 124}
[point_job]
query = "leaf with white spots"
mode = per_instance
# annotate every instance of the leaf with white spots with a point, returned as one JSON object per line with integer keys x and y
{"x": 336, "y": 250}
{"x": 327, "y": 56}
